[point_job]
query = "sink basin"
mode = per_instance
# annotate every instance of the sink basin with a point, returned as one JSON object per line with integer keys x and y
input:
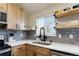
{"x": 42, "y": 43}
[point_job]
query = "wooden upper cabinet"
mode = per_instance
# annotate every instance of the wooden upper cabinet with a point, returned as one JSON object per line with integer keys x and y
{"x": 12, "y": 16}
{"x": 20, "y": 16}
{"x": 16, "y": 17}
{"x": 21, "y": 19}
{"x": 4, "y": 6}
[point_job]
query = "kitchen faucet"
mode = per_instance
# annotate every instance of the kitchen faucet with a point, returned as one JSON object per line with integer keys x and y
{"x": 42, "y": 35}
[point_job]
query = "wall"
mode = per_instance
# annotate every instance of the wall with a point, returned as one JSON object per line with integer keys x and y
{"x": 65, "y": 36}
{"x": 65, "y": 32}
{"x": 48, "y": 10}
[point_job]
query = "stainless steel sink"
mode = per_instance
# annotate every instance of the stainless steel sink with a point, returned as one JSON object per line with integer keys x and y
{"x": 42, "y": 43}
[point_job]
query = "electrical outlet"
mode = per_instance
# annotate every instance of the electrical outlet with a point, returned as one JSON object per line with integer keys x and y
{"x": 21, "y": 34}
{"x": 71, "y": 36}
{"x": 59, "y": 36}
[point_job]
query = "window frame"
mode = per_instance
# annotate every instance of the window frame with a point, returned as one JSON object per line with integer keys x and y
{"x": 48, "y": 34}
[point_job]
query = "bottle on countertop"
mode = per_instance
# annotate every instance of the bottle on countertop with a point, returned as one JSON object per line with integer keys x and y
{"x": 11, "y": 37}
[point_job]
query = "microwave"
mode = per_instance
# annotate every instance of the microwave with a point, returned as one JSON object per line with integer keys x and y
{"x": 3, "y": 17}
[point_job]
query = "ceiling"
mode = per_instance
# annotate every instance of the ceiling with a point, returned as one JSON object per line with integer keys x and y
{"x": 33, "y": 7}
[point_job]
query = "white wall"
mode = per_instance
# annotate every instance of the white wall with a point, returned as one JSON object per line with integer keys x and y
{"x": 48, "y": 10}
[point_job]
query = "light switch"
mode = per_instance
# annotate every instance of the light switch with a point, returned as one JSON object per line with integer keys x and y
{"x": 71, "y": 36}
{"x": 59, "y": 36}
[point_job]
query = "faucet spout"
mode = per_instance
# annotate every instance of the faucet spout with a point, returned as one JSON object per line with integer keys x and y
{"x": 42, "y": 35}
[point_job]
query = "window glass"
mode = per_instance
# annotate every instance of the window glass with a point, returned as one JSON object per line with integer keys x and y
{"x": 48, "y": 22}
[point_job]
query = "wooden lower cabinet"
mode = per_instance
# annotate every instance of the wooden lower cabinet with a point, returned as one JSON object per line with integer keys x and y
{"x": 18, "y": 50}
{"x": 39, "y": 54}
{"x": 30, "y": 50}
{"x": 36, "y": 51}
{"x": 43, "y": 51}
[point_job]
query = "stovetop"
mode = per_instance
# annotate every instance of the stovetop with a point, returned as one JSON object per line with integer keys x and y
{"x": 5, "y": 46}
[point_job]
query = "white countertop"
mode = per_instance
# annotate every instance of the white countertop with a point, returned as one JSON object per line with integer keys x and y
{"x": 74, "y": 49}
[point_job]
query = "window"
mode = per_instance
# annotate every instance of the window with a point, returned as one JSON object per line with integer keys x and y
{"x": 48, "y": 22}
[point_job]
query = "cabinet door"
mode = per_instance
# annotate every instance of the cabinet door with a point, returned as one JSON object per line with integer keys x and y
{"x": 39, "y": 54}
{"x": 19, "y": 50}
{"x": 29, "y": 52}
{"x": 25, "y": 20}
{"x": 43, "y": 51}
{"x": 12, "y": 16}
{"x": 4, "y": 6}
{"x": 21, "y": 18}
{"x": 37, "y": 51}
{"x": 31, "y": 23}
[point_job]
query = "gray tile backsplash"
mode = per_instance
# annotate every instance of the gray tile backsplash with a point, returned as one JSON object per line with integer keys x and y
{"x": 30, "y": 35}
{"x": 65, "y": 36}
{"x": 17, "y": 34}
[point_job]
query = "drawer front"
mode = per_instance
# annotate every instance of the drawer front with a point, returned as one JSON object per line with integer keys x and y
{"x": 19, "y": 50}
{"x": 43, "y": 51}
{"x": 19, "y": 54}
{"x": 39, "y": 54}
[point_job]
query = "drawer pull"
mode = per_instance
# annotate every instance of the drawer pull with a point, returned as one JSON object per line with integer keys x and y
{"x": 19, "y": 48}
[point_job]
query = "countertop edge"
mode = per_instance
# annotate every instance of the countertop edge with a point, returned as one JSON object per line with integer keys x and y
{"x": 61, "y": 48}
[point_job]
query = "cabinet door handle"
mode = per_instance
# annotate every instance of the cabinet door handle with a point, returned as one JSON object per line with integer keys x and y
{"x": 16, "y": 26}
